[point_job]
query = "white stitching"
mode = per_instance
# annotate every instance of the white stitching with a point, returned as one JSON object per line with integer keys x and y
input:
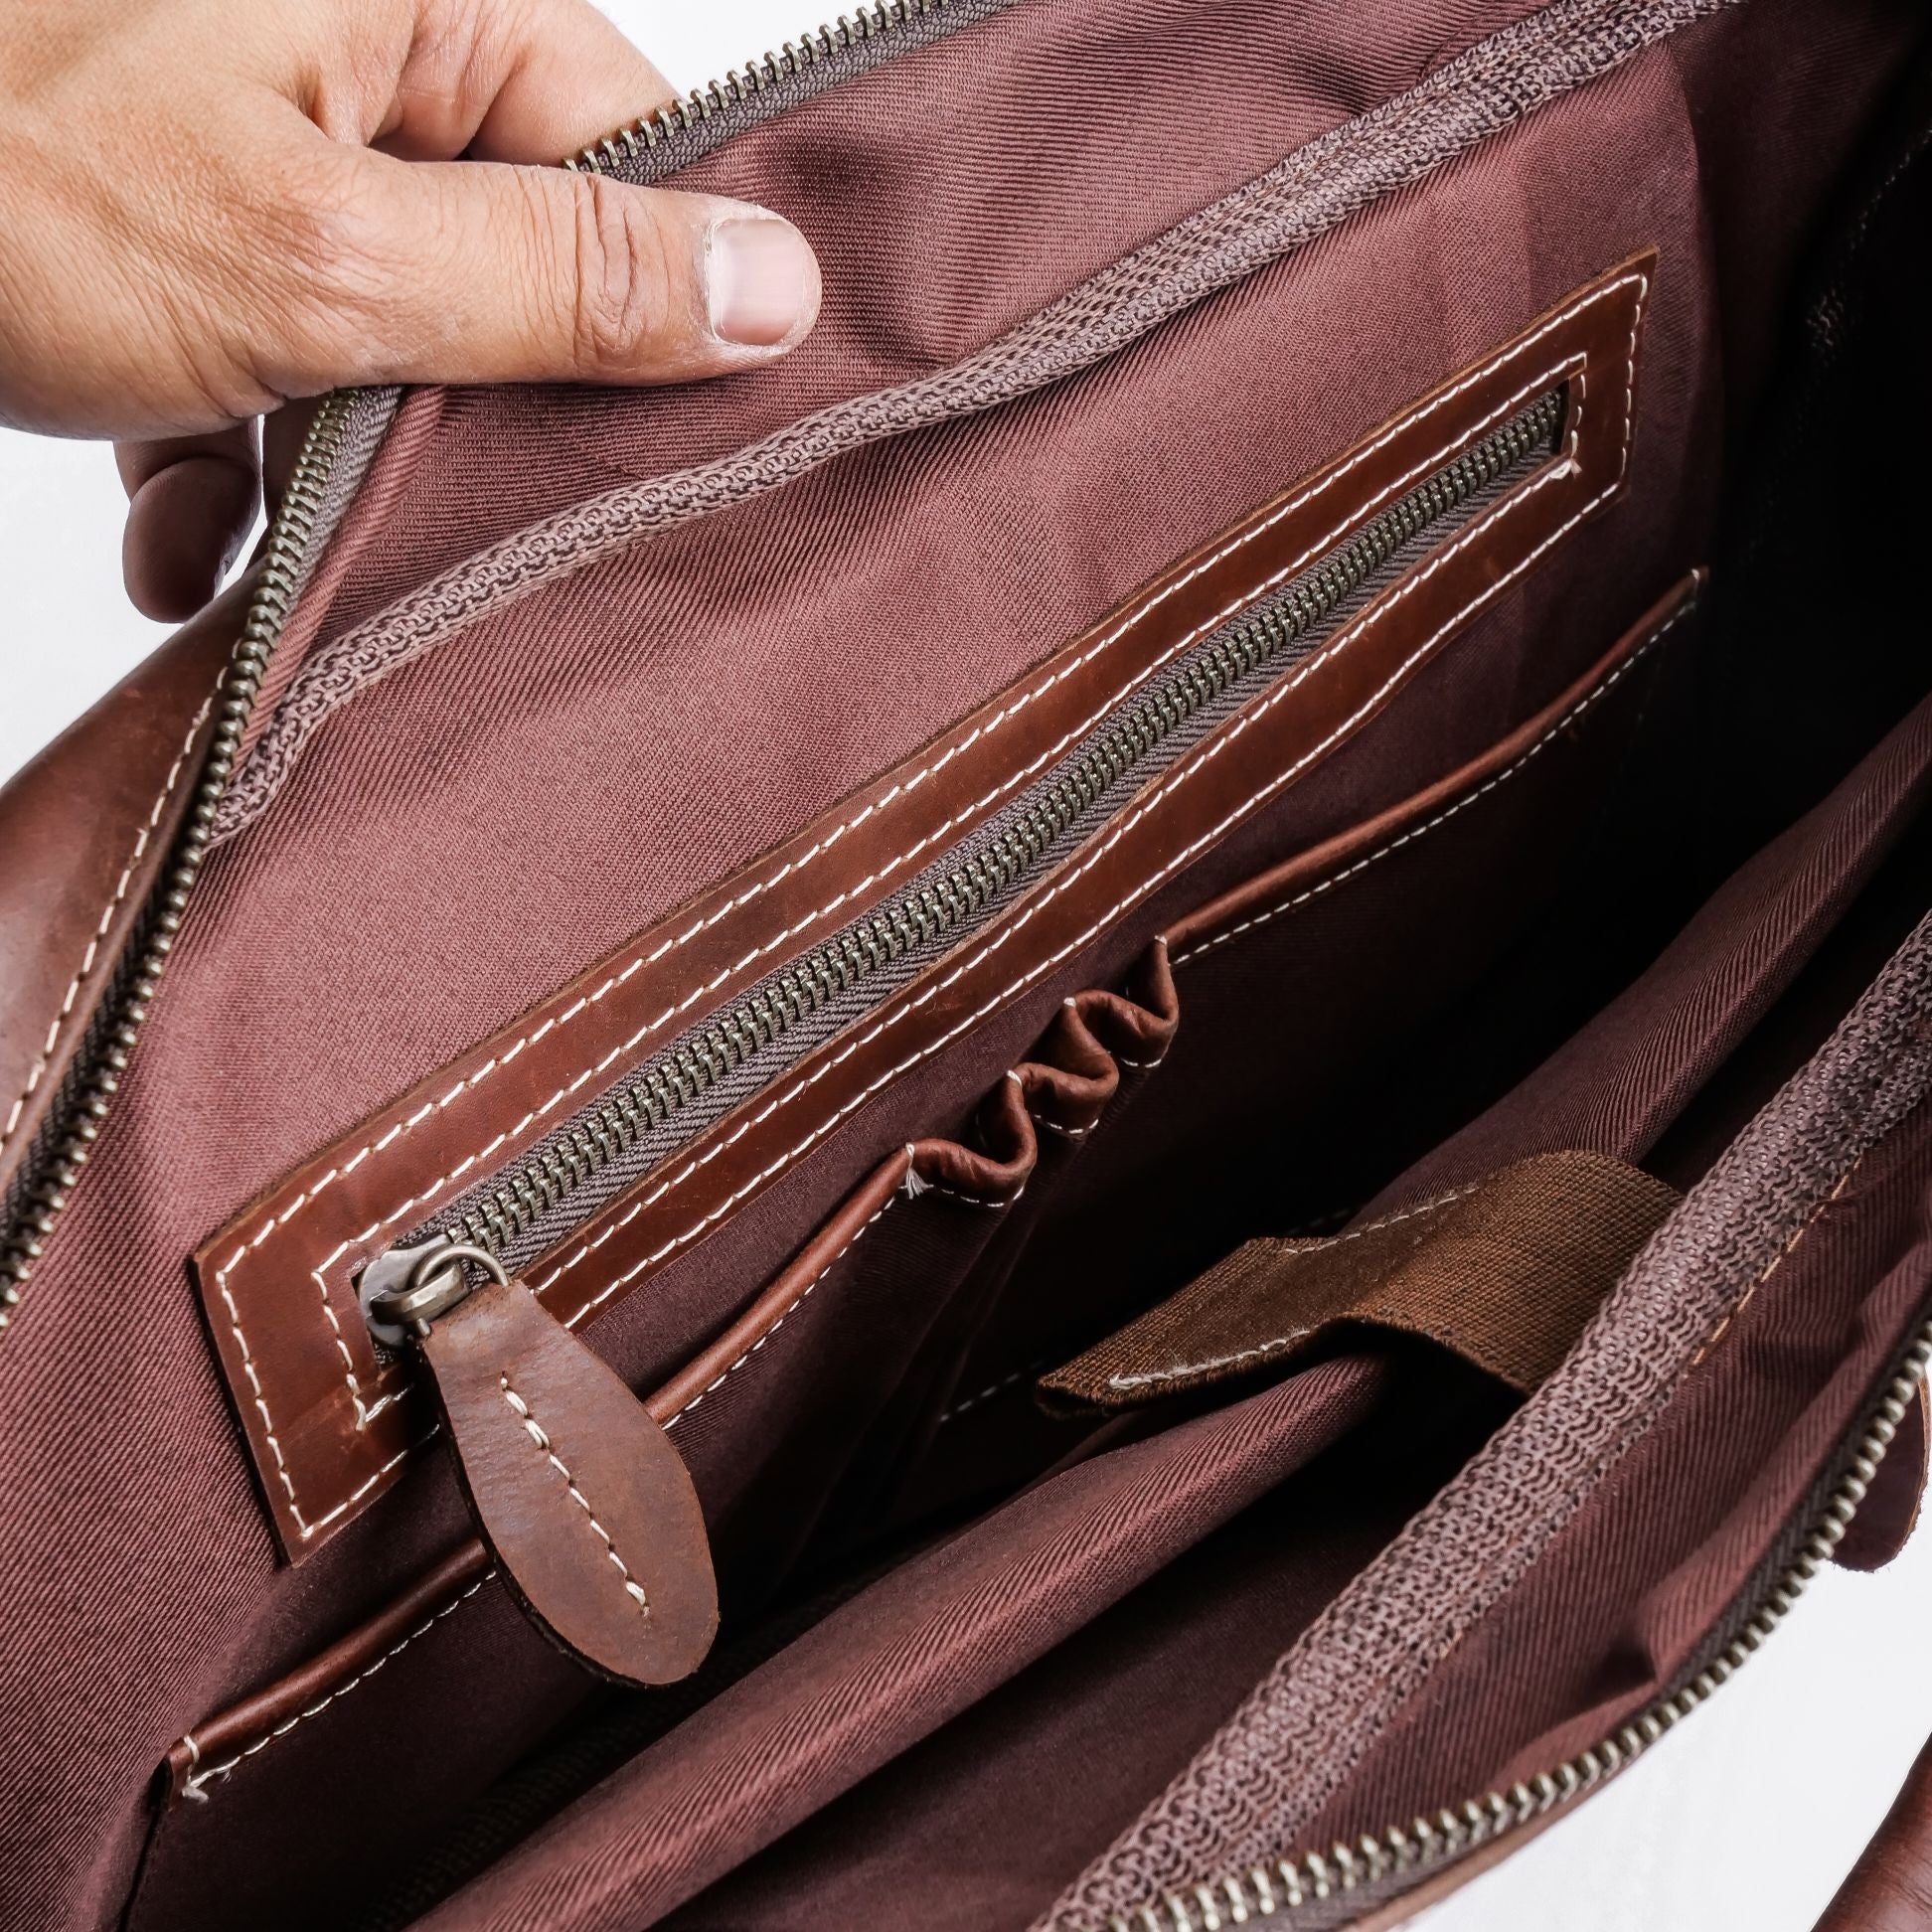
{"x": 1506, "y": 506}
{"x": 261, "y": 1399}
{"x": 196, "y": 1786}
{"x": 1434, "y": 1204}
{"x": 966, "y": 1200}
{"x": 38, "y": 1072}
{"x": 1469, "y": 798}
{"x": 711, "y": 1388}
{"x": 1004, "y": 1382}
{"x": 1430, "y": 1207}
{"x": 535, "y": 1430}
{"x": 1513, "y": 501}
{"x": 697, "y": 993}
{"x": 342, "y": 1346}
{"x": 1254, "y": 1354}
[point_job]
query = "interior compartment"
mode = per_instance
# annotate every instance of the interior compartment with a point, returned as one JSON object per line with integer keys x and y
{"x": 821, "y": 1427}
{"x": 1684, "y": 1533}
{"x": 1453, "y": 963}
{"x": 826, "y": 1461}
{"x": 1668, "y": 1071}
{"x": 1143, "y": 1684}
{"x": 1411, "y": 912}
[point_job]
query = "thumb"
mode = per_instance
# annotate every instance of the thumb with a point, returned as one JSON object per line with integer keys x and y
{"x": 481, "y": 272}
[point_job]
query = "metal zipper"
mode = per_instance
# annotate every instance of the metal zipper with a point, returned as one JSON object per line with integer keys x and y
{"x": 794, "y": 60}
{"x": 43, "y": 1193}
{"x": 505, "y": 1215}
{"x": 1406, "y": 1851}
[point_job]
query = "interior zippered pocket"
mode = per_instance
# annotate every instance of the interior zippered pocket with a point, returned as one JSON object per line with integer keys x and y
{"x": 615, "y": 1140}
{"x": 642, "y": 1107}
{"x": 634, "y": 1598}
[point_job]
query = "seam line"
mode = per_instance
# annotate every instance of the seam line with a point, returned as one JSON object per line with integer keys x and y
{"x": 1547, "y": 378}
{"x": 804, "y": 1295}
{"x": 195, "y": 1787}
{"x": 534, "y": 1429}
{"x": 1471, "y": 797}
{"x": 91, "y": 955}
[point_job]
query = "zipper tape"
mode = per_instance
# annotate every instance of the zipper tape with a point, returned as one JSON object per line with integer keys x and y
{"x": 634, "y": 1126}
{"x": 1320, "y": 1890}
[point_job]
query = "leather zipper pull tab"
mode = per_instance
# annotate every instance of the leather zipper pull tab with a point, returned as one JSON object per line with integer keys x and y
{"x": 588, "y": 1510}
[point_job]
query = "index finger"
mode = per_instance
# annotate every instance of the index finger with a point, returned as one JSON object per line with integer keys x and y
{"x": 514, "y": 81}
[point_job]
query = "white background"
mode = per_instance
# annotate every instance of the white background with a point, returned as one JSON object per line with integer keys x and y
{"x": 1743, "y": 1818}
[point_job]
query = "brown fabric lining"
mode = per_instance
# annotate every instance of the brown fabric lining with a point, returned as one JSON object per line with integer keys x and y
{"x": 332, "y": 1427}
{"x": 1504, "y": 1272}
{"x": 1510, "y": 75}
{"x": 128, "y": 1475}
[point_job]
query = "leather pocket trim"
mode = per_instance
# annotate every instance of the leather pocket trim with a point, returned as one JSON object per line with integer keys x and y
{"x": 329, "y": 1424}
{"x": 1308, "y": 875}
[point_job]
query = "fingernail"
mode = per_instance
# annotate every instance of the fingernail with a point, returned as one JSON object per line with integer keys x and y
{"x": 762, "y": 280}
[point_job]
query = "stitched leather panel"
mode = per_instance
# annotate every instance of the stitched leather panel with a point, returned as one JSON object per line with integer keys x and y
{"x": 329, "y": 1425}
{"x": 85, "y": 827}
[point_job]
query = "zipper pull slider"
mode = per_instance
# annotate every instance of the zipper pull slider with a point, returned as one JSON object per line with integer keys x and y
{"x": 588, "y": 1510}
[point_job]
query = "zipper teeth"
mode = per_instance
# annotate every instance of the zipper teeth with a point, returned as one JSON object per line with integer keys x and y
{"x": 677, "y": 118}
{"x": 1289, "y": 1884}
{"x": 935, "y": 908}
{"x": 47, "y": 1190}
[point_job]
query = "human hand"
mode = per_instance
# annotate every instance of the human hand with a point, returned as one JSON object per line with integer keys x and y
{"x": 210, "y": 208}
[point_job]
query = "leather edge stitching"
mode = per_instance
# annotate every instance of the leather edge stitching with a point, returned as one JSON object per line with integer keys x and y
{"x": 195, "y": 1786}
{"x": 1509, "y": 350}
{"x": 537, "y": 1433}
{"x": 89, "y": 958}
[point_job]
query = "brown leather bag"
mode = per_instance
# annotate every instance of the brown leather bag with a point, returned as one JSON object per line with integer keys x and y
{"x": 1111, "y": 1111}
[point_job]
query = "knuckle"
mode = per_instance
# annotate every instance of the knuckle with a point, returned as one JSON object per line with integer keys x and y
{"x": 456, "y": 60}
{"x": 323, "y": 271}
{"x": 622, "y": 304}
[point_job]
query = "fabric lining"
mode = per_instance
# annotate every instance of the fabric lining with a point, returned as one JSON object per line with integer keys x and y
{"x": 1514, "y": 72}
